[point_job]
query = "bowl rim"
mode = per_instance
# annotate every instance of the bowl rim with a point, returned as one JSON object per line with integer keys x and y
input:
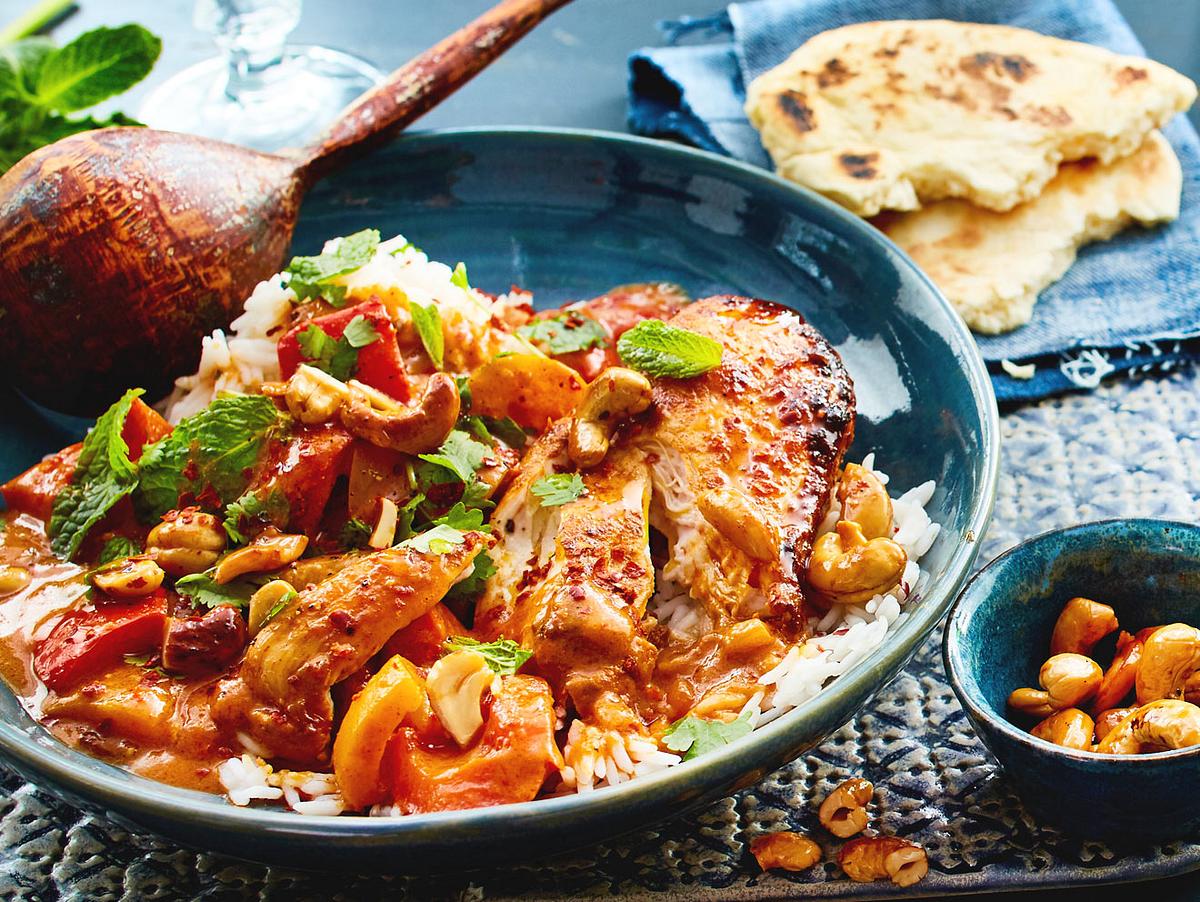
{"x": 956, "y": 666}
{"x": 99, "y": 781}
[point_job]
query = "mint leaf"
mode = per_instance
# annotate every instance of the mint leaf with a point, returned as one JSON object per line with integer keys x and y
{"x": 117, "y": 549}
{"x": 103, "y": 476}
{"x": 428, "y": 323}
{"x": 354, "y": 534}
{"x": 202, "y": 589}
{"x": 95, "y": 66}
{"x": 310, "y": 276}
{"x": 459, "y": 277}
{"x": 565, "y": 333}
{"x": 503, "y": 656}
{"x": 661, "y": 350}
{"x": 460, "y": 518}
{"x": 438, "y": 540}
{"x": 20, "y": 64}
{"x": 214, "y": 449}
{"x": 274, "y": 510}
{"x": 482, "y": 569}
{"x": 360, "y": 332}
{"x": 337, "y": 357}
{"x": 697, "y": 736}
{"x": 460, "y": 454}
{"x": 559, "y": 488}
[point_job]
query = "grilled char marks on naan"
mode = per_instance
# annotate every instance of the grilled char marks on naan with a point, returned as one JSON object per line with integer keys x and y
{"x": 745, "y": 458}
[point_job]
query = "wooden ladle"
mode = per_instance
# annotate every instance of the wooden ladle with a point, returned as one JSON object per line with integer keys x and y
{"x": 121, "y": 248}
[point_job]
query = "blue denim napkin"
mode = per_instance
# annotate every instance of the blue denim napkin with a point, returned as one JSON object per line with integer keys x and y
{"x": 1130, "y": 305}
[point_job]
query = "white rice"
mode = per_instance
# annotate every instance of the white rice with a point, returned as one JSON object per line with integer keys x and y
{"x": 250, "y": 778}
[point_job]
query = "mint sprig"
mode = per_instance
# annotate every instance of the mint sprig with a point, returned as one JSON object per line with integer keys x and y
{"x": 657, "y": 349}
{"x": 565, "y": 333}
{"x": 311, "y": 277}
{"x": 428, "y": 323}
{"x": 503, "y": 656}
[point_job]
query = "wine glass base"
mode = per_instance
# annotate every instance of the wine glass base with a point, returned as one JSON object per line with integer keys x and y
{"x": 297, "y": 99}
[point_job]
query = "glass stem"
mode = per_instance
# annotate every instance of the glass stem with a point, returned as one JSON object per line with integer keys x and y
{"x": 252, "y": 69}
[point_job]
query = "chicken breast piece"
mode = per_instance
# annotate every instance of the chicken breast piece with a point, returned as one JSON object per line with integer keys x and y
{"x": 280, "y": 693}
{"x": 573, "y": 580}
{"x": 745, "y": 457}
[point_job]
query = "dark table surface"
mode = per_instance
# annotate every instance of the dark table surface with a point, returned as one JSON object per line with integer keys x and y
{"x": 570, "y": 72}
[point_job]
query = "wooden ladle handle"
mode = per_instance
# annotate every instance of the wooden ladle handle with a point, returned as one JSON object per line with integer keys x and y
{"x": 423, "y": 82}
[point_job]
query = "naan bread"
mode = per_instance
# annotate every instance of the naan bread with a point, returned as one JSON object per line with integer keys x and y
{"x": 992, "y": 265}
{"x": 886, "y": 115}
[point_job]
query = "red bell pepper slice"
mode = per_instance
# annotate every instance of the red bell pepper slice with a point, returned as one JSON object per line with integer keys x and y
{"x": 143, "y": 426}
{"x": 379, "y": 363}
{"x": 85, "y": 643}
{"x": 34, "y": 491}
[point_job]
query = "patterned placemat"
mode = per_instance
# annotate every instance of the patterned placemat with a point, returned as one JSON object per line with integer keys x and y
{"x": 1128, "y": 449}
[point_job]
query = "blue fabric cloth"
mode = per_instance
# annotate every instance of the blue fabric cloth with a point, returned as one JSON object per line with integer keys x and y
{"x": 1130, "y": 305}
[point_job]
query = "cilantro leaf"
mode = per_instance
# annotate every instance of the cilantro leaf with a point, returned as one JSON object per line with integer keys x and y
{"x": 116, "y": 549}
{"x": 565, "y": 333}
{"x": 310, "y": 277}
{"x": 697, "y": 736}
{"x": 338, "y": 357}
{"x": 462, "y": 519}
{"x": 95, "y": 66}
{"x": 201, "y": 588}
{"x": 438, "y": 540}
{"x": 661, "y": 350}
{"x": 354, "y": 534}
{"x": 459, "y": 277}
{"x": 469, "y": 587}
{"x": 428, "y": 323}
{"x": 406, "y": 515}
{"x": 508, "y": 431}
{"x": 103, "y": 476}
{"x": 503, "y": 656}
{"x": 558, "y": 488}
{"x": 214, "y": 448}
{"x": 275, "y": 509}
{"x": 360, "y": 332}
{"x": 460, "y": 454}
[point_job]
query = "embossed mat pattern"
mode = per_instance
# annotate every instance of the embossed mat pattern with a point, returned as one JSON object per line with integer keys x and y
{"x": 1129, "y": 449}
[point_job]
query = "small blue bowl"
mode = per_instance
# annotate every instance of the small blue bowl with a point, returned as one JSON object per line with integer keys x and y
{"x": 998, "y": 635}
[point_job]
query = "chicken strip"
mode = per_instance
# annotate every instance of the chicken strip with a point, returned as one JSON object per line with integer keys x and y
{"x": 280, "y": 693}
{"x": 573, "y": 580}
{"x": 745, "y": 458}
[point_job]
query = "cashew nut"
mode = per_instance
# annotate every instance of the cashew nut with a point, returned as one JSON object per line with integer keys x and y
{"x": 878, "y": 857}
{"x": 1071, "y": 728}
{"x": 384, "y": 532}
{"x": 1167, "y": 723}
{"x": 13, "y": 578}
{"x": 848, "y": 568}
{"x": 613, "y": 396}
{"x": 1070, "y": 679}
{"x": 412, "y": 428}
{"x": 264, "y": 601}
{"x": 1170, "y": 656}
{"x": 271, "y": 550}
{"x": 456, "y": 684}
{"x": 129, "y": 578}
{"x": 1119, "y": 679}
{"x": 1032, "y": 702}
{"x": 844, "y": 812}
{"x": 1107, "y": 721}
{"x": 187, "y": 541}
{"x": 865, "y": 501}
{"x": 738, "y": 519}
{"x": 786, "y": 851}
{"x": 313, "y": 396}
{"x": 1081, "y": 625}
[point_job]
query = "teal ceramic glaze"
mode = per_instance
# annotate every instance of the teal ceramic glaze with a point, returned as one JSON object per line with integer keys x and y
{"x": 569, "y": 214}
{"x": 997, "y": 638}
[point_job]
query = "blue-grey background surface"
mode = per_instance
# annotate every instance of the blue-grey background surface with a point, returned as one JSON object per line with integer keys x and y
{"x": 1129, "y": 449}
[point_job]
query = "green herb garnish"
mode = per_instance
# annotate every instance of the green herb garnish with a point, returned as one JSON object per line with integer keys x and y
{"x": 117, "y": 549}
{"x": 311, "y": 276}
{"x": 215, "y": 448}
{"x": 428, "y": 323}
{"x": 463, "y": 519}
{"x": 469, "y": 587}
{"x": 697, "y": 736}
{"x": 354, "y": 534}
{"x": 661, "y": 350}
{"x": 558, "y": 488}
{"x": 337, "y": 356}
{"x": 438, "y": 540}
{"x": 202, "y": 589}
{"x": 41, "y": 84}
{"x": 248, "y": 507}
{"x": 459, "y": 277}
{"x": 276, "y": 609}
{"x": 503, "y": 656}
{"x": 565, "y": 333}
{"x": 103, "y": 476}
{"x": 460, "y": 454}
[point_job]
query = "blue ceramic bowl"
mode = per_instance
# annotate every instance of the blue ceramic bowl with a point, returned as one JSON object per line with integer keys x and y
{"x": 569, "y": 214}
{"x": 997, "y": 637}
